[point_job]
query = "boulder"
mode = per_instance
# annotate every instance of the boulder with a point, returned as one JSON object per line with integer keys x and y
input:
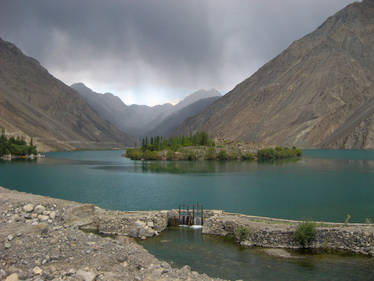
{"x": 28, "y": 208}
{"x": 39, "y": 209}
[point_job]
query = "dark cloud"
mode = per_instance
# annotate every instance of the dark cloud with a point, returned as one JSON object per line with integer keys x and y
{"x": 154, "y": 51}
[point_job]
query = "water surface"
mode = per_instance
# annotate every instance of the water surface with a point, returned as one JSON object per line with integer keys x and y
{"x": 222, "y": 258}
{"x": 324, "y": 185}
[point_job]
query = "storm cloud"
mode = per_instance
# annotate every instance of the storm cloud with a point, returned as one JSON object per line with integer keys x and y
{"x": 151, "y": 52}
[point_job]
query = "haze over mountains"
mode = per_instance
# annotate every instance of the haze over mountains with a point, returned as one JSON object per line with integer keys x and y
{"x": 318, "y": 93}
{"x": 141, "y": 120}
{"x": 35, "y": 104}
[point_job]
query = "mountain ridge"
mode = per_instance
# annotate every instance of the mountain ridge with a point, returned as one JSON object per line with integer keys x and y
{"x": 308, "y": 93}
{"x": 35, "y": 104}
{"x": 136, "y": 120}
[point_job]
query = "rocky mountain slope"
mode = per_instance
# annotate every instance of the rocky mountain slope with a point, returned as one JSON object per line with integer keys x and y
{"x": 136, "y": 120}
{"x": 318, "y": 93}
{"x": 33, "y": 103}
{"x": 170, "y": 123}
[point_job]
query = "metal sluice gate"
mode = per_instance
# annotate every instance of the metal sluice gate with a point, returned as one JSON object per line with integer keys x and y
{"x": 191, "y": 216}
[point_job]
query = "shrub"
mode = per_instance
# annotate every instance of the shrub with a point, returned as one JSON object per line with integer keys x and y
{"x": 222, "y": 155}
{"x": 248, "y": 156}
{"x": 241, "y": 233}
{"x": 305, "y": 233}
{"x": 211, "y": 154}
{"x": 134, "y": 154}
{"x": 347, "y": 219}
{"x": 270, "y": 154}
{"x": 233, "y": 156}
{"x": 170, "y": 155}
{"x": 191, "y": 156}
{"x": 151, "y": 155}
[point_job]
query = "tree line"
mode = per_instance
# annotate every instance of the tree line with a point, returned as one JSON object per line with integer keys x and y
{"x": 159, "y": 143}
{"x": 16, "y": 146}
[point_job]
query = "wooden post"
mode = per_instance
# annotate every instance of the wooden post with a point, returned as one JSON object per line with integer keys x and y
{"x": 179, "y": 215}
{"x": 193, "y": 214}
{"x": 202, "y": 215}
{"x": 188, "y": 215}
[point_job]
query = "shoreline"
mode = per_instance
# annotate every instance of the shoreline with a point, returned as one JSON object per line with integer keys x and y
{"x": 51, "y": 240}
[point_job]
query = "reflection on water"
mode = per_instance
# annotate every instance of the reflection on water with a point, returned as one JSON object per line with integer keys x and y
{"x": 223, "y": 258}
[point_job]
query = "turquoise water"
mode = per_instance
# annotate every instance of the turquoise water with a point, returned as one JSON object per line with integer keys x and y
{"x": 324, "y": 185}
{"x": 222, "y": 258}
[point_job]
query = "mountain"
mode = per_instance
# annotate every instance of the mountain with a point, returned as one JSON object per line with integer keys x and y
{"x": 196, "y": 96}
{"x": 133, "y": 119}
{"x": 136, "y": 120}
{"x": 170, "y": 123}
{"x": 33, "y": 103}
{"x": 318, "y": 93}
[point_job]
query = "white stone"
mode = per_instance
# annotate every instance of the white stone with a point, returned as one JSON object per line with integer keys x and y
{"x": 37, "y": 270}
{"x": 86, "y": 275}
{"x": 139, "y": 223}
{"x": 52, "y": 215}
{"x": 28, "y": 208}
{"x": 12, "y": 277}
{"x": 10, "y": 237}
{"x": 43, "y": 218}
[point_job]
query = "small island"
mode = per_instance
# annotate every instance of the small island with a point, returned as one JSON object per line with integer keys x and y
{"x": 200, "y": 147}
{"x": 16, "y": 148}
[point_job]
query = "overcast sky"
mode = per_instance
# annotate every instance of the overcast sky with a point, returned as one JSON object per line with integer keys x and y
{"x": 157, "y": 51}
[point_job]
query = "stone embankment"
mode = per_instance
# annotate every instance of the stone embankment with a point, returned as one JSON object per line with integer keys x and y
{"x": 279, "y": 233}
{"x": 43, "y": 238}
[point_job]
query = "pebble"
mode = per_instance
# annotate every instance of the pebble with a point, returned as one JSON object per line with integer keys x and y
{"x": 10, "y": 237}
{"x": 2, "y": 274}
{"x": 37, "y": 270}
{"x": 7, "y": 245}
{"x": 28, "y": 208}
{"x": 86, "y": 275}
{"x": 39, "y": 209}
{"x": 52, "y": 215}
{"x": 27, "y": 216}
{"x": 43, "y": 217}
{"x": 12, "y": 277}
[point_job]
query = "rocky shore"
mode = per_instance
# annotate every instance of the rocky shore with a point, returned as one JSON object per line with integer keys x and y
{"x": 43, "y": 238}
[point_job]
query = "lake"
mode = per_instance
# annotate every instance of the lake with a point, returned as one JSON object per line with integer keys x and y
{"x": 324, "y": 185}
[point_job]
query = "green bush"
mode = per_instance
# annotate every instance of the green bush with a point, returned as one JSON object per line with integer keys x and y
{"x": 248, "y": 156}
{"x": 191, "y": 156}
{"x": 222, "y": 155}
{"x": 170, "y": 155}
{"x": 134, "y": 154}
{"x": 211, "y": 154}
{"x": 270, "y": 154}
{"x": 306, "y": 233}
{"x": 151, "y": 155}
{"x": 241, "y": 233}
